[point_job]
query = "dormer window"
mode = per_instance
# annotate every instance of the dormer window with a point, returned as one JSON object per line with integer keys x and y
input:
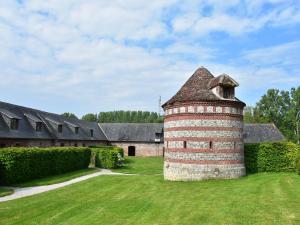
{"x": 92, "y": 132}
{"x": 14, "y": 124}
{"x": 76, "y": 130}
{"x": 60, "y": 128}
{"x": 38, "y": 126}
{"x": 228, "y": 92}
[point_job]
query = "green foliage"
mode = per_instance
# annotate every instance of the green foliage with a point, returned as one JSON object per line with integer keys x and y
{"x": 298, "y": 163}
{"x": 107, "y": 156}
{"x": 129, "y": 117}
{"x": 280, "y": 108}
{"x": 90, "y": 117}
{"x": 69, "y": 115}
{"x": 271, "y": 157}
{"x": 23, "y": 164}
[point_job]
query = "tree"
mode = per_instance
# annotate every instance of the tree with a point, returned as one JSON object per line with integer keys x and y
{"x": 69, "y": 115}
{"x": 90, "y": 117}
{"x": 280, "y": 108}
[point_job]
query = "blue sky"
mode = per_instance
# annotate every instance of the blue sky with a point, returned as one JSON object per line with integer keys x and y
{"x": 99, "y": 55}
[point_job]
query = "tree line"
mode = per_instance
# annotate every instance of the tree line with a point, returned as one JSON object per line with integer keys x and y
{"x": 279, "y": 107}
{"x": 120, "y": 117}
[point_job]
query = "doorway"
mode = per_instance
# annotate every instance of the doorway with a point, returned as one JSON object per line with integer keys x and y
{"x": 131, "y": 150}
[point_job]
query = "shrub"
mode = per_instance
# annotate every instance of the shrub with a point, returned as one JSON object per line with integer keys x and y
{"x": 107, "y": 156}
{"x": 271, "y": 157}
{"x": 23, "y": 164}
{"x": 298, "y": 164}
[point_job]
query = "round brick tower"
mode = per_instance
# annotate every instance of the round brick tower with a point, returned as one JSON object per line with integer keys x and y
{"x": 203, "y": 130}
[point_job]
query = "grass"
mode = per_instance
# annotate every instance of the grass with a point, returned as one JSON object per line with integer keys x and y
{"x": 265, "y": 198}
{"x": 58, "y": 178}
{"x": 142, "y": 165}
{"x": 5, "y": 191}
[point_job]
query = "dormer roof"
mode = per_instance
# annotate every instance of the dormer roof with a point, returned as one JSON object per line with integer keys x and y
{"x": 223, "y": 80}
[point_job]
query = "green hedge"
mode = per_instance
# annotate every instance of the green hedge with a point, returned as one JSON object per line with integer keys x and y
{"x": 22, "y": 164}
{"x": 298, "y": 163}
{"x": 271, "y": 157}
{"x": 107, "y": 156}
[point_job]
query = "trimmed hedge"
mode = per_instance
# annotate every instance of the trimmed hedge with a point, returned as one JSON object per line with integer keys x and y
{"x": 271, "y": 157}
{"x": 22, "y": 164}
{"x": 107, "y": 156}
{"x": 298, "y": 164}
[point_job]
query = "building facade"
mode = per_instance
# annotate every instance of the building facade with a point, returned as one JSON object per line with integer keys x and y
{"x": 203, "y": 130}
{"x": 137, "y": 139}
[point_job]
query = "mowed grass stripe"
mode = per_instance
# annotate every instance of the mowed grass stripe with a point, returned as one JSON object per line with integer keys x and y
{"x": 257, "y": 199}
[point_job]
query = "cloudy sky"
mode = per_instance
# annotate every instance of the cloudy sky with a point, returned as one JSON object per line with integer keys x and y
{"x": 99, "y": 55}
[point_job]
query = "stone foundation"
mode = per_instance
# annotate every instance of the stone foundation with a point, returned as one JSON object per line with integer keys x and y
{"x": 193, "y": 172}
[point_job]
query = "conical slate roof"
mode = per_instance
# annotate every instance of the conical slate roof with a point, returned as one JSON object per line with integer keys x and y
{"x": 198, "y": 88}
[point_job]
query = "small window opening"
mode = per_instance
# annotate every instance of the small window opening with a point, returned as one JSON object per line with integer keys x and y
{"x": 38, "y": 126}
{"x": 60, "y": 128}
{"x": 14, "y": 124}
{"x": 18, "y": 145}
{"x": 184, "y": 144}
{"x": 75, "y": 145}
{"x": 83, "y": 145}
{"x": 62, "y": 144}
{"x": 76, "y": 130}
{"x": 92, "y": 133}
{"x": 210, "y": 145}
{"x": 234, "y": 145}
{"x": 228, "y": 92}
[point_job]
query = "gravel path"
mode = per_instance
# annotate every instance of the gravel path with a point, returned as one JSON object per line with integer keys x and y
{"x": 28, "y": 191}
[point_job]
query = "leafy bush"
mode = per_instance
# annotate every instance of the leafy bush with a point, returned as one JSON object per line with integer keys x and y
{"x": 107, "y": 156}
{"x": 298, "y": 163}
{"x": 271, "y": 157}
{"x": 23, "y": 164}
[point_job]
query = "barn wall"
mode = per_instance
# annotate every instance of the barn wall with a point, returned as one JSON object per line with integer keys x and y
{"x": 142, "y": 148}
{"x": 46, "y": 143}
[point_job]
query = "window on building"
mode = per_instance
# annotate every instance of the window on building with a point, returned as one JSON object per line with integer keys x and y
{"x": 234, "y": 145}
{"x": 92, "y": 132}
{"x": 76, "y": 130}
{"x": 18, "y": 145}
{"x": 38, "y": 126}
{"x": 83, "y": 144}
{"x": 14, "y": 124}
{"x": 228, "y": 92}
{"x": 75, "y": 145}
{"x": 184, "y": 144}
{"x": 60, "y": 128}
{"x": 210, "y": 145}
{"x": 62, "y": 144}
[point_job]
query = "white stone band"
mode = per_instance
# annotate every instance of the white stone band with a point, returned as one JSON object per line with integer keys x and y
{"x": 203, "y": 123}
{"x": 208, "y": 133}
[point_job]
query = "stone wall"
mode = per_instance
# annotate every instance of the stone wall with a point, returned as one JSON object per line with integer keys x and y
{"x": 203, "y": 141}
{"x": 142, "y": 148}
{"x": 46, "y": 143}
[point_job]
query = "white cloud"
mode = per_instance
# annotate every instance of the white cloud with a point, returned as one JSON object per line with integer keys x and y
{"x": 123, "y": 54}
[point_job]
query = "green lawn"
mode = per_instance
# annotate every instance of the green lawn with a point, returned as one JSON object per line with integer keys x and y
{"x": 148, "y": 199}
{"x": 142, "y": 165}
{"x": 58, "y": 178}
{"x": 5, "y": 191}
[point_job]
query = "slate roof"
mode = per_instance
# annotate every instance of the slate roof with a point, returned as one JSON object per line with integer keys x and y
{"x": 136, "y": 132}
{"x": 50, "y": 121}
{"x": 197, "y": 88}
{"x": 256, "y": 133}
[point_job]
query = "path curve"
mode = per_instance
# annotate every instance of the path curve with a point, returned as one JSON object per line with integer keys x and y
{"x": 28, "y": 191}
